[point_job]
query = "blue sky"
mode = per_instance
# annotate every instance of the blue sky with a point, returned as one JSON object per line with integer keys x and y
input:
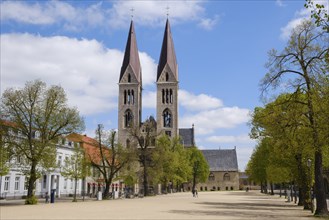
{"x": 221, "y": 49}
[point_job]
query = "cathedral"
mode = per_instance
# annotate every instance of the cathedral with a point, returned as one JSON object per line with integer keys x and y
{"x": 130, "y": 91}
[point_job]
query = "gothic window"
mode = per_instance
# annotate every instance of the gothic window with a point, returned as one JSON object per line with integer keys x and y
{"x": 129, "y": 78}
{"x": 171, "y": 96}
{"x": 167, "y": 77}
{"x": 167, "y": 119}
{"x": 211, "y": 177}
{"x": 132, "y": 97}
{"x": 128, "y": 118}
{"x": 129, "y": 98}
{"x": 163, "y": 96}
{"x": 226, "y": 177}
{"x": 125, "y": 97}
{"x": 167, "y": 96}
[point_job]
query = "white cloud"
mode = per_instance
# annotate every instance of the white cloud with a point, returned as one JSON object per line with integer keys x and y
{"x": 193, "y": 102}
{"x": 208, "y": 23}
{"x": 149, "y": 99}
{"x": 279, "y": 3}
{"x": 146, "y": 13}
{"x": 244, "y": 138}
{"x": 53, "y": 12}
{"x": 206, "y": 122}
{"x": 86, "y": 69}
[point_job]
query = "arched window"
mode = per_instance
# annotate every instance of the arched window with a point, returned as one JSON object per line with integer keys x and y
{"x": 167, "y": 77}
{"x": 167, "y": 96}
{"x": 125, "y": 97}
{"x": 129, "y": 78}
{"x": 128, "y": 118}
{"x": 129, "y": 98}
{"x": 211, "y": 177}
{"x": 171, "y": 96}
{"x": 132, "y": 97}
{"x": 226, "y": 177}
{"x": 167, "y": 119}
{"x": 163, "y": 96}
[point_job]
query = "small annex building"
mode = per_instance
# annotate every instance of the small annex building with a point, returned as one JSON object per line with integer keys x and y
{"x": 224, "y": 172}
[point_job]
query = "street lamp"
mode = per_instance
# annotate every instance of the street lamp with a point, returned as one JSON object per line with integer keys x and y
{"x": 309, "y": 164}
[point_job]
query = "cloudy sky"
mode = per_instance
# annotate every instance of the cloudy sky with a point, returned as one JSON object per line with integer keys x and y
{"x": 221, "y": 49}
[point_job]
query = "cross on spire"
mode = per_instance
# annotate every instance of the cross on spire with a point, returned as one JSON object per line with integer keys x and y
{"x": 167, "y": 8}
{"x": 132, "y": 13}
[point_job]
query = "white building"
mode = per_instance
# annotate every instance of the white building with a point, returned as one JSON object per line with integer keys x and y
{"x": 14, "y": 184}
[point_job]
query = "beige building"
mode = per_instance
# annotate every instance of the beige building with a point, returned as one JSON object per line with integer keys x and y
{"x": 224, "y": 174}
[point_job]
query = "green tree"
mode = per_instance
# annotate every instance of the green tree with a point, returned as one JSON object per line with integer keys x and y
{"x": 303, "y": 59}
{"x": 319, "y": 13}
{"x": 76, "y": 167}
{"x": 200, "y": 167}
{"x": 172, "y": 162}
{"x": 110, "y": 158}
{"x": 42, "y": 115}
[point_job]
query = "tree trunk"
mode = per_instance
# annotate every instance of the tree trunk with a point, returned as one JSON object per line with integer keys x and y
{"x": 145, "y": 182}
{"x": 301, "y": 196}
{"x": 272, "y": 191}
{"x": 106, "y": 193}
{"x": 32, "y": 180}
{"x": 75, "y": 189}
{"x": 321, "y": 203}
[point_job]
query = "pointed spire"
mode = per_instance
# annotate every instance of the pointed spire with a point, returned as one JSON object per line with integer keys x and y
{"x": 131, "y": 56}
{"x": 168, "y": 55}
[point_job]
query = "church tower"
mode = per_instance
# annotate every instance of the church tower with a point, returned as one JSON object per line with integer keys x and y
{"x": 167, "y": 87}
{"x": 130, "y": 90}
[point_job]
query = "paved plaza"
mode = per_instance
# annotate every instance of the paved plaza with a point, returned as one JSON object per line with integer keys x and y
{"x": 209, "y": 205}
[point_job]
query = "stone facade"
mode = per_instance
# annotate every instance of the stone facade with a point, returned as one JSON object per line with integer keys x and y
{"x": 224, "y": 174}
{"x": 220, "y": 180}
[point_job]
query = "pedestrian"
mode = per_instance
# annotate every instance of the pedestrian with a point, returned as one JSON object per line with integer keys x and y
{"x": 47, "y": 197}
{"x": 196, "y": 193}
{"x": 193, "y": 192}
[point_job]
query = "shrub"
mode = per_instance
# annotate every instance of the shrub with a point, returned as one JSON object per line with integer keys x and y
{"x": 31, "y": 201}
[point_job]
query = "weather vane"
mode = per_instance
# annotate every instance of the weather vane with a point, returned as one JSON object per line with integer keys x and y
{"x": 132, "y": 13}
{"x": 167, "y": 8}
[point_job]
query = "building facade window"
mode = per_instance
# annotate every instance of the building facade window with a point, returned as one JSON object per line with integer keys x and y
{"x": 44, "y": 181}
{"x": 26, "y": 183}
{"x": 6, "y": 186}
{"x": 167, "y": 77}
{"x": 65, "y": 183}
{"x": 17, "y": 180}
{"x": 226, "y": 177}
{"x": 211, "y": 177}
{"x": 167, "y": 118}
{"x": 128, "y": 118}
{"x": 129, "y": 78}
{"x": 59, "y": 162}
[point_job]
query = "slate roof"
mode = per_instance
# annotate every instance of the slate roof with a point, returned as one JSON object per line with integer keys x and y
{"x": 221, "y": 160}
{"x": 131, "y": 56}
{"x": 167, "y": 55}
{"x": 187, "y": 136}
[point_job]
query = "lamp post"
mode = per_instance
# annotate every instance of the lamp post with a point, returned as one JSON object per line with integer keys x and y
{"x": 309, "y": 164}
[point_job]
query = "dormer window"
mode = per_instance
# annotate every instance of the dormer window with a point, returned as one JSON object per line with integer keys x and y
{"x": 167, "y": 77}
{"x": 129, "y": 78}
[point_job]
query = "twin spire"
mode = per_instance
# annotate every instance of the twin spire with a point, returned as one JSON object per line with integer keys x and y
{"x": 131, "y": 57}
